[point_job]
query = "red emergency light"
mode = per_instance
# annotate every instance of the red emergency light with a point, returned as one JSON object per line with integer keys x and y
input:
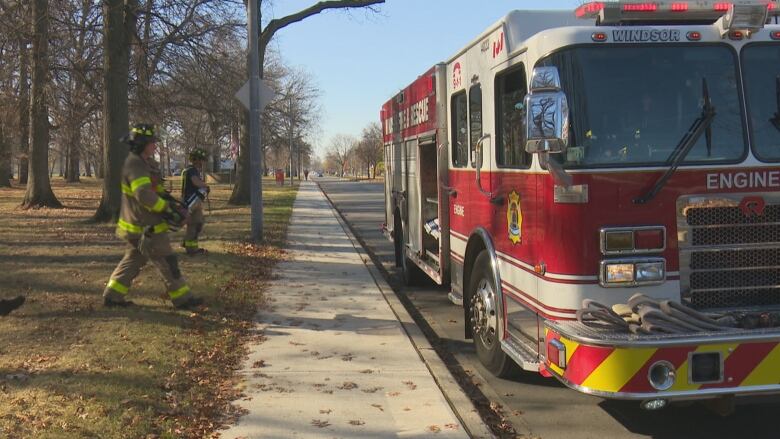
{"x": 722, "y": 6}
{"x": 640, "y": 7}
{"x": 694, "y": 36}
{"x": 697, "y": 9}
{"x": 589, "y": 9}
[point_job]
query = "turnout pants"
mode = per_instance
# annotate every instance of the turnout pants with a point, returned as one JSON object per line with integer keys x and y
{"x": 194, "y": 227}
{"x": 157, "y": 250}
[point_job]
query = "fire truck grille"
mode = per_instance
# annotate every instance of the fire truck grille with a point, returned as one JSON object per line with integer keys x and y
{"x": 729, "y": 259}
{"x": 714, "y": 216}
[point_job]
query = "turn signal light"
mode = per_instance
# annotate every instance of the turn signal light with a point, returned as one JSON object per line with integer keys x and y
{"x": 736, "y": 35}
{"x": 556, "y": 353}
{"x": 775, "y": 35}
{"x": 649, "y": 239}
{"x": 628, "y": 240}
{"x": 599, "y": 37}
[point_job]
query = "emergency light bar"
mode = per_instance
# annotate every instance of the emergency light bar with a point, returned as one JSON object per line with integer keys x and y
{"x": 614, "y": 12}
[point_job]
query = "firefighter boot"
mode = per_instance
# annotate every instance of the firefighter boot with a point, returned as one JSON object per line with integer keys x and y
{"x": 6, "y": 306}
{"x": 108, "y": 303}
{"x": 189, "y": 301}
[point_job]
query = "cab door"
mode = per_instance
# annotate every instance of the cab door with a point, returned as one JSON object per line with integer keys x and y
{"x": 514, "y": 226}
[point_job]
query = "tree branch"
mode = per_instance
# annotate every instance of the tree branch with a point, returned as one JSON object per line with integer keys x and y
{"x": 279, "y": 23}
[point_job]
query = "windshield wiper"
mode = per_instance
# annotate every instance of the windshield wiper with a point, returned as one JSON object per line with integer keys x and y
{"x": 699, "y": 126}
{"x": 775, "y": 120}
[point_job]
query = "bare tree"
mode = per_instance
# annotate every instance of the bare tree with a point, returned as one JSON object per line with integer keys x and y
{"x": 118, "y": 24}
{"x": 39, "y": 193}
{"x": 240, "y": 193}
{"x": 75, "y": 67}
{"x": 369, "y": 149}
{"x": 340, "y": 150}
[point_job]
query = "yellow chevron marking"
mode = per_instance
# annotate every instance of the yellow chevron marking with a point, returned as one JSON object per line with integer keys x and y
{"x": 767, "y": 372}
{"x": 618, "y": 369}
{"x": 571, "y": 346}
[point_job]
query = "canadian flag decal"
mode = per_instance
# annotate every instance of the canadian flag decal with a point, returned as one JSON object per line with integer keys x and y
{"x": 498, "y": 46}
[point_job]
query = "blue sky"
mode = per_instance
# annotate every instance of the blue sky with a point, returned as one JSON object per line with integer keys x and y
{"x": 360, "y": 60}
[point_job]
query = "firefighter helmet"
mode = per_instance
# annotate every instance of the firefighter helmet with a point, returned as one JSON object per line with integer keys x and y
{"x": 140, "y": 135}
{"x": 198, "y": 154}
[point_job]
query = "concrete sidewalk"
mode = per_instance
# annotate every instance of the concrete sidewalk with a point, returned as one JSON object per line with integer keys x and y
{"x": 335, "y": 361}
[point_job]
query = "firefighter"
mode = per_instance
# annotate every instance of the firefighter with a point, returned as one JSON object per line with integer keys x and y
{"x": 8, "y": 305}
{"x": 146, "y": 216}
{"x": 193, "y": 192}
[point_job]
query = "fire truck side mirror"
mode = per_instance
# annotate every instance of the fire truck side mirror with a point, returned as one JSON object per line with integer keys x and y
{"x": 547, "y": 113}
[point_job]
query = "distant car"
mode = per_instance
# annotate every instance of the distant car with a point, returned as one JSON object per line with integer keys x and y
{"x": 319, "y": 174}
{"x": 177, "y": 172}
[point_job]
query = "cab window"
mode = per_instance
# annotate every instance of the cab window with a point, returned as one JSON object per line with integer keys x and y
{"x": 510, "y": 119}
{"x": 460, "y": 148}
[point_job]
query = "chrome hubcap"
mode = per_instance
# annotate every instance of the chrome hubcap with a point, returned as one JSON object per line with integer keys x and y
{"x": 483, "y": 313}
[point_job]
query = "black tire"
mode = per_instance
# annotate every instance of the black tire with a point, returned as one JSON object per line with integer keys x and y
{"x": 482, "y": 298}
{"x": 411, "y": 273}
{"x": 398, "y": 240}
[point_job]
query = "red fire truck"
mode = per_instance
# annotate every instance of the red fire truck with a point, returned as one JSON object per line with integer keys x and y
{"x": 627, "y": 147}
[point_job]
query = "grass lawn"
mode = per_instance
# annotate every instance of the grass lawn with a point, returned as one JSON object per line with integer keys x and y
{"x": 71, "y": 369}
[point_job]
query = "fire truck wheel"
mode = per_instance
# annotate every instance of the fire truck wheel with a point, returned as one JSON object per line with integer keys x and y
{"x": 398, "y": 241}
{"x": 483, "y": 309}
{"x": 412, "y": 274}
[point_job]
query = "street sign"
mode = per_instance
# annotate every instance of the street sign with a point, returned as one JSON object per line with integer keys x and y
{"x": 266, "y": 95}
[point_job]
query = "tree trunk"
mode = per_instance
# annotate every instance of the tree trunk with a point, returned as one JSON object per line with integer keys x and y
{"x": 39, "y": 193}
{"x": 24, "y": 109}
{"x": 63, "y": 153}
{"x": 118, "y": 23}
{"x": 74, "y": 155}
{"x": 5, "y": 159}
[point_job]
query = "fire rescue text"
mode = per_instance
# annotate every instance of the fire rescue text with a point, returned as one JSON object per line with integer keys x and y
{"x": 415, "y": 115}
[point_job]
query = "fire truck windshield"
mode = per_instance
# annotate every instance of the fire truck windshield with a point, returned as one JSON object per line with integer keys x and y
{"x": 761, "y": 66}
{"x": 631, "y": 105}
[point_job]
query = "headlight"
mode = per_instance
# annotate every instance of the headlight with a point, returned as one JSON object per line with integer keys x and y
{"x": 632, "y": 272}
{"x": 650, "y": 272}
{"x": 620, "y": 273}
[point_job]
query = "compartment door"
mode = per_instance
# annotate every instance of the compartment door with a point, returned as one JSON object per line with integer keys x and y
{"x": 413, "y": 218}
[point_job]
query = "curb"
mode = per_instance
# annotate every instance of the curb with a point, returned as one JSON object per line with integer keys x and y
{"x": 460, "y": 403}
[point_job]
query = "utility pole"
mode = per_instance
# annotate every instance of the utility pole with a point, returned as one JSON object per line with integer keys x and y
{"x": 255, "y": 165}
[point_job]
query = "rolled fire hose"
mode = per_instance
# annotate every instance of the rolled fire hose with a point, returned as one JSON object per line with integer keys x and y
{"x": 645, "y": 315}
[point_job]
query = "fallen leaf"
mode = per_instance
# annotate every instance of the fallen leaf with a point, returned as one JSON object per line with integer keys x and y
{"x": 348, "y": 385}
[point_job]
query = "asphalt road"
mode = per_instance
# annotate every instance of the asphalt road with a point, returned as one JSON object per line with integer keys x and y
{"x": 536, "y": 406}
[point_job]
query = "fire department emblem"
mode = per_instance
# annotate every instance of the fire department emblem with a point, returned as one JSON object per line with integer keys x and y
{"x": 514, "y": 218}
